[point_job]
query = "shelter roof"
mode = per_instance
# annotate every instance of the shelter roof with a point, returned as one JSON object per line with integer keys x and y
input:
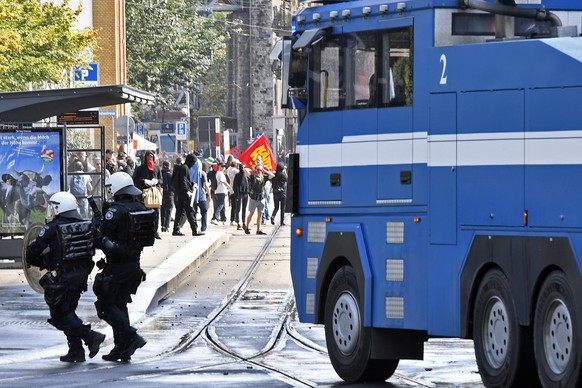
{"x": 35, "y": 105}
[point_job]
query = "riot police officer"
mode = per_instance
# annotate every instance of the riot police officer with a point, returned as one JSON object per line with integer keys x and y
{"x": 127, "y": 227}
{"x": 70, "y": 257}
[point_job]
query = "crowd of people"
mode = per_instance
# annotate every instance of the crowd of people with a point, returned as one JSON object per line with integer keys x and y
{"x": 195, "y": 189}
{"x": 204, "y": 186}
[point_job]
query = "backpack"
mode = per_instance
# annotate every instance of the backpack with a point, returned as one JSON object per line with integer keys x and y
{"x": 78, "y": 186}
{"x": 256, "y": 187}
{"x": 212, "y": 178}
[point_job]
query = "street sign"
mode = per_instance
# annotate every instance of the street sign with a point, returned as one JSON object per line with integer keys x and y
{"x": 139, "y": 129}
{"x": 181, "y": 130}
{"x": 235, "y": 152}
{"x": 125, "y": 125}
{"x": 88, "y": 75}
{"x": 111, "y": 113}
{"x": 167, "y": 128}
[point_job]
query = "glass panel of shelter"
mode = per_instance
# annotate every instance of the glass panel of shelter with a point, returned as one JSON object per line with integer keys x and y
{"x": 85, "y": 175}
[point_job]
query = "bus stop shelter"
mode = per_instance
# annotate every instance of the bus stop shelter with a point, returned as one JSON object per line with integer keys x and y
{"x": 27, "y": 107}
{"x": 35, "y": 105}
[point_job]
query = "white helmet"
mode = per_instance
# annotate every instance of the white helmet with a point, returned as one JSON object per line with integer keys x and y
{"x": 61, "y": 202}
{"x": 121, "y": 183}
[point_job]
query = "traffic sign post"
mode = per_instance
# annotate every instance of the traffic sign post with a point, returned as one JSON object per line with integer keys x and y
{"x": 124, "y": 125}
{"x": 181, "y": 131}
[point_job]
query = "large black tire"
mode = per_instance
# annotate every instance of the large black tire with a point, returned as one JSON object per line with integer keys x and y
{"x": 348, "y": 341}
{"x": 503, "y": 348}
{"x": 556, "y": 340}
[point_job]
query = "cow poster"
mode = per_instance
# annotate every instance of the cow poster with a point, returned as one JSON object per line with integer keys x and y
{"x": 30, "y": 167}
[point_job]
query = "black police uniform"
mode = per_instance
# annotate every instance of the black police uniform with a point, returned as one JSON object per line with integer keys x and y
{"x": 70, "y": 239}
{"x": 126, "y": 228}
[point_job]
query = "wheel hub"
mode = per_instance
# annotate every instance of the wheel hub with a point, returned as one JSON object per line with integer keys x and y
{"x": 557, "y": 332}
{"x": 495, "y": 332}
{"x": 346, "y": 323}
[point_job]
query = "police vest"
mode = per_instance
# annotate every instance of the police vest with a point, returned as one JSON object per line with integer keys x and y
{"x": 76, "y": 240}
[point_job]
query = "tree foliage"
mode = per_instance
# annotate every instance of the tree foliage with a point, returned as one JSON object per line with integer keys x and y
{"x": 212, "y": 92}
{"x": 40, "y": 44}
{"x": 170, "y": 47}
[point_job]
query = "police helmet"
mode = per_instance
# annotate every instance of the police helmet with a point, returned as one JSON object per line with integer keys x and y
{"x": 121, "y": 183}
{"x": 61, "y": 202}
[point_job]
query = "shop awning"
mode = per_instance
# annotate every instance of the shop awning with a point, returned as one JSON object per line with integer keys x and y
{"x": 140, "y": 143}
{"x": 31, "y": 106}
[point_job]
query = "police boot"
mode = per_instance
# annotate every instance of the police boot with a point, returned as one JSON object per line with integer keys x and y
{"x": 93, "y": 340}
{"x": 116, "y": 354}
{"x": 76, "y": 352}
{"x": 136, "y": 342}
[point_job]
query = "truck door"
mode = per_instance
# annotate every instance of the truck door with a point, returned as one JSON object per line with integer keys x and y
{"x": 443, "y": 168}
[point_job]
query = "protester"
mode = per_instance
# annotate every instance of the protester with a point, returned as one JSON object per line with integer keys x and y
{"x": 182, "y": 186}
{"x": 148, "y": 174}
{"x": 241, "y": 190}
{"x": 168, "y": 200}
{"x": 257, "y": 178}
{"x": 279, "y": 192}
{"x": 221, "y": 192}
{"x": 80, "y": 185}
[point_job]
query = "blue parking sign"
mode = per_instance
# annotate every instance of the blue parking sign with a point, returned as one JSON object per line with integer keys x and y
{"x": 181, "y": 131}
{"x": 88, "y": 74}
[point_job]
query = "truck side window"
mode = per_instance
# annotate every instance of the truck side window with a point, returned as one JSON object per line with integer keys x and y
{"x": 360, "y": 70}
{"x": 396, "y": 82}
{"x": 326, "y": 75}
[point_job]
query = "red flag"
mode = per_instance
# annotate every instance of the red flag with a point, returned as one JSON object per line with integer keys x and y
{"x": 259, "y": 147}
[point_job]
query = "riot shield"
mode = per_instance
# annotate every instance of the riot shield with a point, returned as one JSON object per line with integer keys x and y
{"x": 32, "y": 274}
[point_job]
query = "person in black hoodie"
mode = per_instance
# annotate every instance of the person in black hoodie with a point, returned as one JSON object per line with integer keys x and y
{"x": 241, "y": 196}
{"x": 182, "y": 188}
{"x": 148, "y": 174}
{"x": 168, "y": 200}
{"x": 279, "y": 192}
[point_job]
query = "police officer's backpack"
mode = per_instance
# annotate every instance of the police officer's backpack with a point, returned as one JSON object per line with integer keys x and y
{"x": 76, "y": 240}
{"x": 142, "y": 228}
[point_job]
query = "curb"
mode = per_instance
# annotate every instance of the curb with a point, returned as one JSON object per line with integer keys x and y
{"x": 162, "y": 280}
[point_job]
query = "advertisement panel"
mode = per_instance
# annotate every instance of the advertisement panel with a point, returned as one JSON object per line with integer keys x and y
{"x": 30, "y": 168}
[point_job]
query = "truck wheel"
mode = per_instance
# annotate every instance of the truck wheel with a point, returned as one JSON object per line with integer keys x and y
{"x": 348, "y": 341}
{"x": 502, "y": 346}
{"x": 556, "y": 346}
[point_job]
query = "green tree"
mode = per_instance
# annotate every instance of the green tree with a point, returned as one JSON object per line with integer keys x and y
{"x": 212, "y": 92}
{"x": 40, "y": 44}
{"x": 170, "y": 47}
